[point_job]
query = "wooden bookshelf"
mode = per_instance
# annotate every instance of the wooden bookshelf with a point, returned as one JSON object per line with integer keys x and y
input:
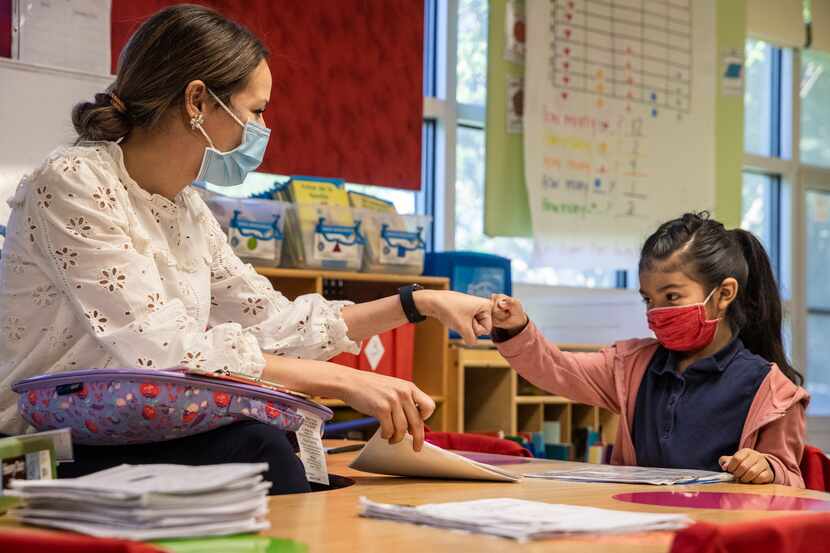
{"x": 474, "y": 388}
{"x": 486, "y": 395}
{"x": 431, "y": 337}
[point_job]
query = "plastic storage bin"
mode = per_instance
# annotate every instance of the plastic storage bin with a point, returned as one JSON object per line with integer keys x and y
{"x": 324, "y": 237}
{"x": 254, "y": 227}
{"x": 394, "y": 243}
{"x": 478, "y": 274}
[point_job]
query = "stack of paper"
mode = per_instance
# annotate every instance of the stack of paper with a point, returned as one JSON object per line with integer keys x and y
{"x": 381, "y": 457}
{"x": 523, "y": 520}
{"x": 144, "y": 502}
{"x": 635, "y": 475}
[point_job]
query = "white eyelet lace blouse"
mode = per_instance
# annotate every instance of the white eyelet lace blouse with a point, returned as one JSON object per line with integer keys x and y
{"x": 96, "y": 272}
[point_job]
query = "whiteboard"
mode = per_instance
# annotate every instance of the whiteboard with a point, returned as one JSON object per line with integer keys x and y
{"x": 619, "y": 123}
{"x": 68, "y": 34}
{"x": 35, "y": 117}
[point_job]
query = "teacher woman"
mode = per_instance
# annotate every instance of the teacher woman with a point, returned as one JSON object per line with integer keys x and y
{"x": 112, "y": 260}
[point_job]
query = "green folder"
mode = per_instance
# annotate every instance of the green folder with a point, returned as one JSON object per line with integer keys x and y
{"x": 233, "y": 544}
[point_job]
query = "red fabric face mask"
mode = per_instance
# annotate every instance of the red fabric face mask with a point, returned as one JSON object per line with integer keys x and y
{"x": 683, "y": 327}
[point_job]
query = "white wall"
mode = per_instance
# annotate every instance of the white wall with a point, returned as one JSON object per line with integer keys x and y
{"x": 35, "y": 117}
{"x": 584, "y": 315}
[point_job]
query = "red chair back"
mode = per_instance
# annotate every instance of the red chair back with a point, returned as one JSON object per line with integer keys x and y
{"x": 815, "y": 469}
{"x": 477, "y": 443}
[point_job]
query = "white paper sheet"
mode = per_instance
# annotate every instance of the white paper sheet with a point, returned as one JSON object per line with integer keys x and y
{"x": 197, "y": 510}
{"x": 635, "y": 475}
{"x": 150, "y": 501}
{"x": 129, "y": 481}
{"x": 256, "y": 487}
{"x": 193, "y": 530}
{"x": 523, "y": 520}
{"x": 381, "y": 457}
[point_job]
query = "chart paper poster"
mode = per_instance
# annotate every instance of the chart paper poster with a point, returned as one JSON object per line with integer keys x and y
{"x": 619, "y": 123}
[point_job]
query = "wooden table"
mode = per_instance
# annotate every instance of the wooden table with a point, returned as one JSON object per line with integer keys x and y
{"x": 328, "y": 521}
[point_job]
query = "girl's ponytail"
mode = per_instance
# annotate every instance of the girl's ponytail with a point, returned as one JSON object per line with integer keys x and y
{"x": 759, "y": 304}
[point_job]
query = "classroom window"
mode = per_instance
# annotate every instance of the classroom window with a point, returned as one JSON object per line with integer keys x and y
{"x": 430, "y": 48}
{"x": 818, "y": 299}
{"x": 756, "y": 206}
{"x": 761, "y": 212}
{"x": 469, "y": 189}
{"x": 770, "y": 171}
{"x": 469, "y": 217}
{"x": 815, "y": 99}
{"x": 758, "y": 98}
{"x": 471, "y": 87}
{"x": 768, "y": 122}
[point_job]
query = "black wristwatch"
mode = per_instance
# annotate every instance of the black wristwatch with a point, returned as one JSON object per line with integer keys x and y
{"x": 408, "y": 303}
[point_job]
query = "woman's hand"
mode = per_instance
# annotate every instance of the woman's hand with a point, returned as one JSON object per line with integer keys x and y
{"x": 748, "y": 466}
{"x": 468, "y": 315}
{"x": 398, "y": 405}
{"x": 508, "y": 313}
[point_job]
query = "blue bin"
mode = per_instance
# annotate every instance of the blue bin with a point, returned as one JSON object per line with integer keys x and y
{"x": 478, "y": 274}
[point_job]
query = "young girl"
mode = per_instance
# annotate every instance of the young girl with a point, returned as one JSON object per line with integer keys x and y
{"x": 714, "y": 390}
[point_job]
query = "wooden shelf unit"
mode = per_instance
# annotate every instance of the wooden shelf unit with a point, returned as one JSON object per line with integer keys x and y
{"x": 486, "y": 395}
{"x": 431, "y": 337}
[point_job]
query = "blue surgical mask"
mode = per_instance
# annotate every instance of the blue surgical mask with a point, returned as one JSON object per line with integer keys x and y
{"x": 231, "y": 168}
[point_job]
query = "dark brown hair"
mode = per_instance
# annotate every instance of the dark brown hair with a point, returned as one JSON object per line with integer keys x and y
{"x": 175, "y": 46}
{"x": 708, "y": 253}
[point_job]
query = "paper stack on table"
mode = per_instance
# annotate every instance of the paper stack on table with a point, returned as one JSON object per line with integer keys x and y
{"x": 144, "y": 502}
{"x": 635, "y": 475}
{"x": 379, "y": 456}
{"x": 523, "y": 520}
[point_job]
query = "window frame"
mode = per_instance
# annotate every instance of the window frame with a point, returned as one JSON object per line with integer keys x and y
{"x": 782, "y": 164}
{"x": 788, "y": 213}
{"x": 814, "y": 179}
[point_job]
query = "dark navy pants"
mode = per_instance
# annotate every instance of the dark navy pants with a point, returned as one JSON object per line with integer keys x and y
{"x": 242, "y": 442}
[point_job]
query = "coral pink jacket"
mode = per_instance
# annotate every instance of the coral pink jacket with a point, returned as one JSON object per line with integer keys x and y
{"x": 774, "y": 426}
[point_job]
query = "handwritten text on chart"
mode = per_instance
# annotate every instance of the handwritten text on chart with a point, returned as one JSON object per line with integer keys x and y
{"x": 574, "y": 208}
{"x": 575, "y": 121}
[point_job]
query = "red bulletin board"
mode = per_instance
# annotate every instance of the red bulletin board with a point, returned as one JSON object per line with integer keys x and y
{"x": 347, "y": 100}
{"x": 5, "y": 28}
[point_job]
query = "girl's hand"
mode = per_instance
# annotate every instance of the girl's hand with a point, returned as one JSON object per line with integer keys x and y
{"x": 748, "y": 466}
{"x": 468, "y": 315}
{"x": 399, "y": 405}
{"x": 508, "y": 312}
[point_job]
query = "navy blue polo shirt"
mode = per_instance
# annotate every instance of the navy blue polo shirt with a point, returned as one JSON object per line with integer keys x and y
{"x": 690, "y": 419}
